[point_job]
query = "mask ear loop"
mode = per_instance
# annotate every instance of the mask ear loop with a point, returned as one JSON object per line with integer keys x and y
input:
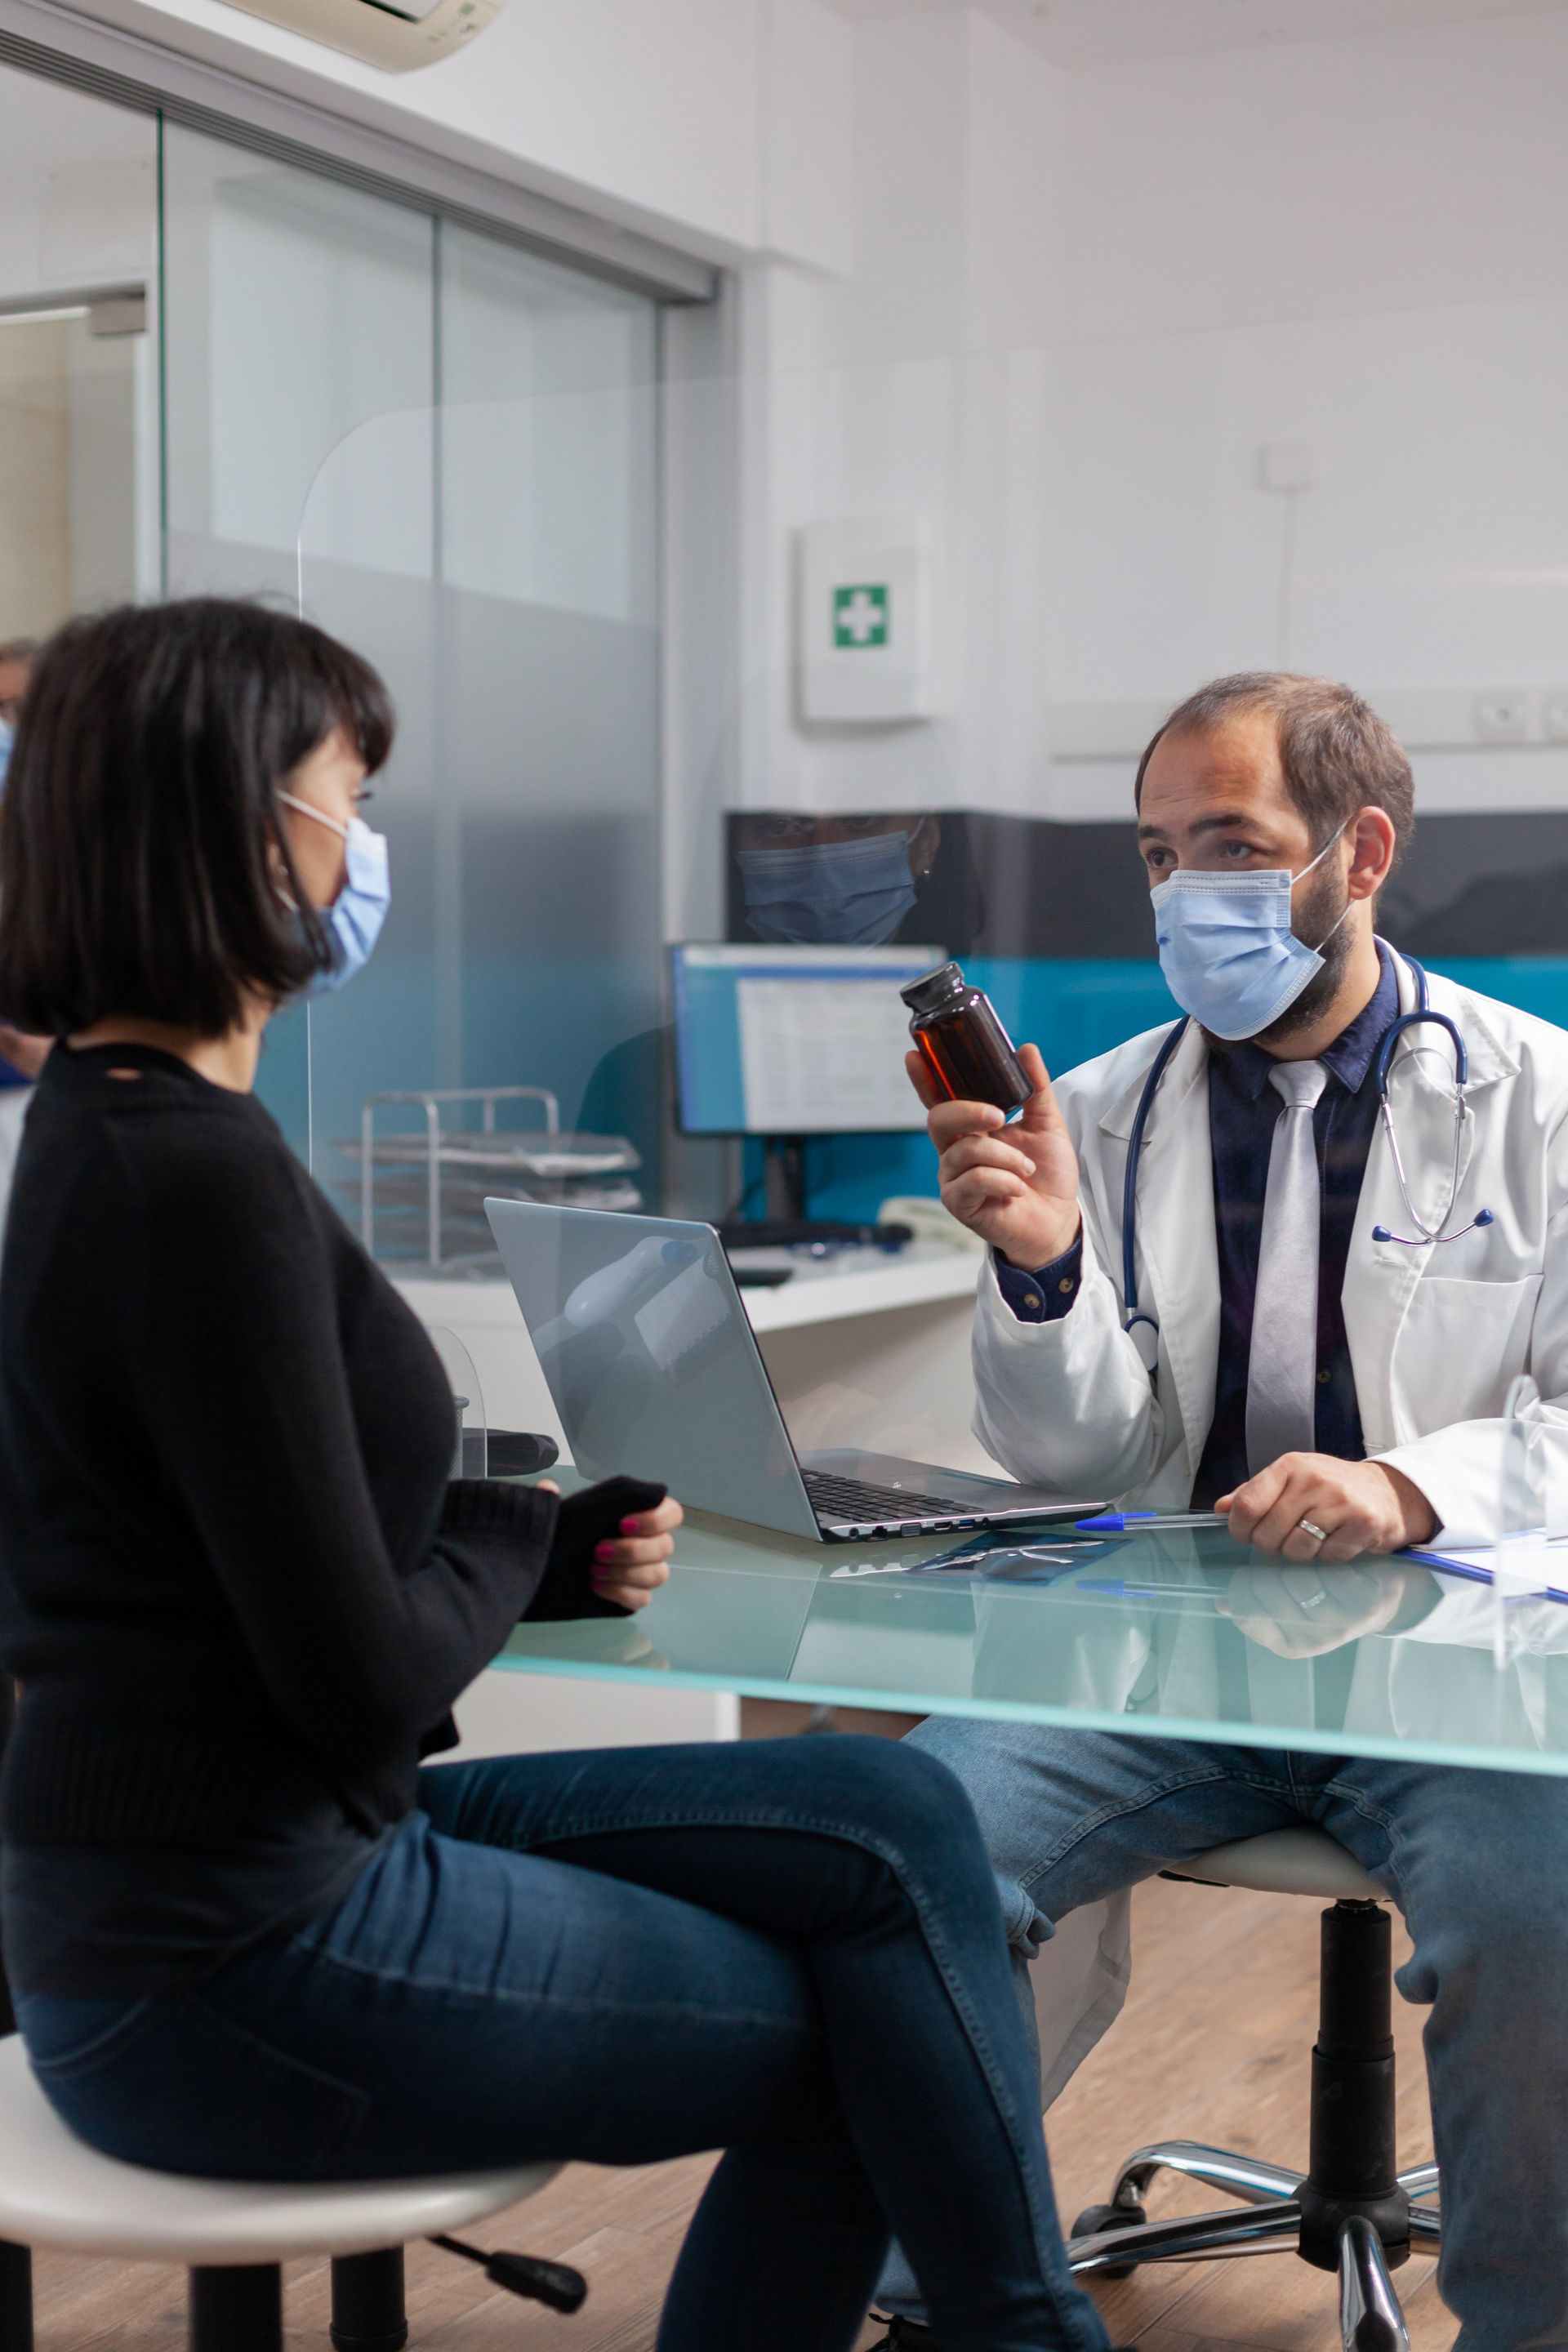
{"x": 320, "y": 815}
{"x": 1350, "y": 902}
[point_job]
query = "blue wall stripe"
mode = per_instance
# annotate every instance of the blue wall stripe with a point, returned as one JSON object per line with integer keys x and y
{"x": 1074, "y": 1010}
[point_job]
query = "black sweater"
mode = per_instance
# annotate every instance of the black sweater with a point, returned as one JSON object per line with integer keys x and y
{"x": 235, "y": 1587}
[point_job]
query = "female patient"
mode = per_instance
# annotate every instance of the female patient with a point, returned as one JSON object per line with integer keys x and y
{"x": 248, "y": 1933}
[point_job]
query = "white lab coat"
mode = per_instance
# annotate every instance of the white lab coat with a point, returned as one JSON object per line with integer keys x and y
{"x": 1436, "y": 1335}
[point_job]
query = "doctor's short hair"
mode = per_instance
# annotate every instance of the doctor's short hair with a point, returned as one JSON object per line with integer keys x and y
{"x": 1336, "y": 753}
{"x": 144, "y": 869}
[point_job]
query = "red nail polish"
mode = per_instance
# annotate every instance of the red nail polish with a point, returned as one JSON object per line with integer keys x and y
{"x": 628, "y": 1526}
{"x": 604, "y": 1550}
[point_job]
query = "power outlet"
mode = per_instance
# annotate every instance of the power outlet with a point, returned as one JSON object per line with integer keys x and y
{"x": 1505, "y": 715}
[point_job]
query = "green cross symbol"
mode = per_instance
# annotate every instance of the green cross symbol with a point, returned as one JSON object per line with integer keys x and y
{"x": 860, "y": 617}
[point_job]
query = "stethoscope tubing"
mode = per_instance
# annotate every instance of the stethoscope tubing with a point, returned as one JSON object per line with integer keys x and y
{"x": 1423, "y": 1236}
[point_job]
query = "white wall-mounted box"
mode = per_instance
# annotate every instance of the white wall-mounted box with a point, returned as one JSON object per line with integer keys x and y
{"x": 863, "y": 623}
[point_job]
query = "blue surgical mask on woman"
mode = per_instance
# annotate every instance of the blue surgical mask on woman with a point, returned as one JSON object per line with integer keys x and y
{"x": 1226, "y": 949}
{"x": 356, "y": 914}
{"x": 8, "y": 736}
{"x": 829, "y": 893}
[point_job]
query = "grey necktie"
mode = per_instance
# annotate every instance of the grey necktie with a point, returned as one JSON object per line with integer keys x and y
{"x": 1282, "y": 1368}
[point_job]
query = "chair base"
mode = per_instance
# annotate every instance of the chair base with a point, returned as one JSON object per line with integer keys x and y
{"x": 1265, "y": 2220}
{"x": 1348, "y": 2212}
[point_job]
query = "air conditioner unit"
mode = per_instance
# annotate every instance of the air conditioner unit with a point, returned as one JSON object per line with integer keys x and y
{"x": 397, "y": 35}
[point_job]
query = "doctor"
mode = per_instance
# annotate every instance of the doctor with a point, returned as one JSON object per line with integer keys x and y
{"x": 1333, "y": 1391}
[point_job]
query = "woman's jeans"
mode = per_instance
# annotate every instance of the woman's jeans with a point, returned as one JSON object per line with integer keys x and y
{"x": 790, "y": 1949}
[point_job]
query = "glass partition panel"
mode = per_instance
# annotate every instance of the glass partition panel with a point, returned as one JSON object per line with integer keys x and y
{"x": 507, "y": 1035}
{"x": 295, "y": 311}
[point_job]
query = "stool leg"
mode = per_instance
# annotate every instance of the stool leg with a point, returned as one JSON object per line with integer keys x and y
{"x": 15, "y": 2298}
{"x": 368, "y": 2314}
{"x": 237, "y": 2308}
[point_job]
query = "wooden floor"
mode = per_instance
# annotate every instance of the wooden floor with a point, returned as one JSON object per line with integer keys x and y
{"x": 1213, "y": 2045}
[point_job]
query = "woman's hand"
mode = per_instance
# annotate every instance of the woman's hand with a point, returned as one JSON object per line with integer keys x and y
{"x": 628, "y": 1569}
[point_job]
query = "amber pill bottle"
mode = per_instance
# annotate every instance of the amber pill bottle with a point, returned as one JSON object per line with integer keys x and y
{"x": 962, "y": 1043}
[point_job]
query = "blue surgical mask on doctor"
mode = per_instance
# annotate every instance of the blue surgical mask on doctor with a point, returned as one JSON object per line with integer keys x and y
{"x": 829, "y": 893}
{"x": 356, "y": 914}
{"x": 1227, "y": 948}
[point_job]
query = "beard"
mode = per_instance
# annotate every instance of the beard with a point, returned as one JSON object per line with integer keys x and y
{"x": 1314, "y": 926}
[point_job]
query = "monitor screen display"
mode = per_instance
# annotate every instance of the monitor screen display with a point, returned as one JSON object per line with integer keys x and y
{"x": 794, "y": 1041}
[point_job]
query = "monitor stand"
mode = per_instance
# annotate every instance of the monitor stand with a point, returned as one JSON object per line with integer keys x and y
{"x": 786, "y": 1224}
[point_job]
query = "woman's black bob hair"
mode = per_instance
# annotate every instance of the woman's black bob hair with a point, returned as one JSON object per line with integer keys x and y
{"x": 144, "y": 870}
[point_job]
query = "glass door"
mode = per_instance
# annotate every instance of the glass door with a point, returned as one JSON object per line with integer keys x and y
{"x": 444, "y": 450}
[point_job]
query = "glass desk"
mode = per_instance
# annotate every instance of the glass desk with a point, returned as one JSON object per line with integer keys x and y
{"x": 1186, "y": 1633}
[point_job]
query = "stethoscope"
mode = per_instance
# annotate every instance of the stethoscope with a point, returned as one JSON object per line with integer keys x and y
{"x": 1425, "y": 1236}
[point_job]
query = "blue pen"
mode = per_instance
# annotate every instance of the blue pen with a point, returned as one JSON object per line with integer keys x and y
{"x": 1473, "y": 1574}
{"x": 1123, "y": 1523}
{"x": 1120, "y": 1591}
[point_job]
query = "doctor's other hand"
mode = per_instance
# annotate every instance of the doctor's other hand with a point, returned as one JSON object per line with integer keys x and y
{"x": 1358, "y": 1506}
{"x": 629, "y": 1568}
{"x": 1014, "y": 1186}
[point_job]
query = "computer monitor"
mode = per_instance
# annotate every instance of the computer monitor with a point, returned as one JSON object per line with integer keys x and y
{"x": 788, "y": 1041}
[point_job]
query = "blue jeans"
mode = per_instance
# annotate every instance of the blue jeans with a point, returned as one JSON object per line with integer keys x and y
{"x": 1478, "y": 1862}
{"x": 791, "y": 1950}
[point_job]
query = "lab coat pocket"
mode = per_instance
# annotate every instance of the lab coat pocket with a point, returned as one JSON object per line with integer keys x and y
{"x": 1462, "y": 1344}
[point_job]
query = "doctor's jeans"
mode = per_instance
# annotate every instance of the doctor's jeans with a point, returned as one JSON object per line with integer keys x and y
{"x": 1478, "y": 1863}
{"x": 790, "y": 1949}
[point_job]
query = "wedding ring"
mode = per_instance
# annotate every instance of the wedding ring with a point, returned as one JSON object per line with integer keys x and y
{"x": 1320, "y": 1535}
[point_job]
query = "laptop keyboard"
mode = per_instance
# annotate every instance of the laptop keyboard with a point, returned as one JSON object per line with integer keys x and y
{"x": 835, "y": 1499}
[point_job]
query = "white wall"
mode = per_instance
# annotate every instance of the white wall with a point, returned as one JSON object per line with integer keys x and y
{"x": 1358, "y": 244}
{"x": 1081, "y": 303}
{"x": 899, "y": 390}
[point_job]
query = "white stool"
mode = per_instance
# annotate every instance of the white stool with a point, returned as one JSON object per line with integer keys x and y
{"x": 1349, "y": 2212}
{"x": 232, "y": 2235}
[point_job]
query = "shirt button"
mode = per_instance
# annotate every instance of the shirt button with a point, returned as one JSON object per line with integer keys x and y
{"x": 1322, "y": 1380}
{"x": 1065, "y": 1285}
{"x": 1031, "y": 1298}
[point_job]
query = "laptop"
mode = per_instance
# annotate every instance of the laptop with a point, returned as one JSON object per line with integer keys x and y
{"x": 655, "y": 1371}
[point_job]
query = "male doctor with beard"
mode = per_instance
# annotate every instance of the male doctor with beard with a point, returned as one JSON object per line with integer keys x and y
{"x": 1333, "y": 1391}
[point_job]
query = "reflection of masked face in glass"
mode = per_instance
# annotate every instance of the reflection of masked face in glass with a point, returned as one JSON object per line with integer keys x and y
{"x": 829, "y": 893}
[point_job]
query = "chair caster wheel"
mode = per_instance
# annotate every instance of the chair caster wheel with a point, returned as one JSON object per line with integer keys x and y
{"x": 1095, "y": 2218}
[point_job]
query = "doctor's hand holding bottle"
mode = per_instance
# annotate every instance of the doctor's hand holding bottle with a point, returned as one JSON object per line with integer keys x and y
{"x": 1013, "y": 1186}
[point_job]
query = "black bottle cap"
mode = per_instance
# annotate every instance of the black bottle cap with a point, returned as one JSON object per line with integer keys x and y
{"x": 933, "y": 988}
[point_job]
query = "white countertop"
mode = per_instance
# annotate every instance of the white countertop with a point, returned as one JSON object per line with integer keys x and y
{"x": 856, "y": 1282}
{"x": 821, "y": 1290}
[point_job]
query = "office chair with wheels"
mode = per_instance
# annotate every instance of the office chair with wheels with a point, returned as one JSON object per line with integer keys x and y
{"x": 1349, "y": 2212}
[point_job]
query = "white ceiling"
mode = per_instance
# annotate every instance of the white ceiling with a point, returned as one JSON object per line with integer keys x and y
{"x": 1125, "y": 32}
